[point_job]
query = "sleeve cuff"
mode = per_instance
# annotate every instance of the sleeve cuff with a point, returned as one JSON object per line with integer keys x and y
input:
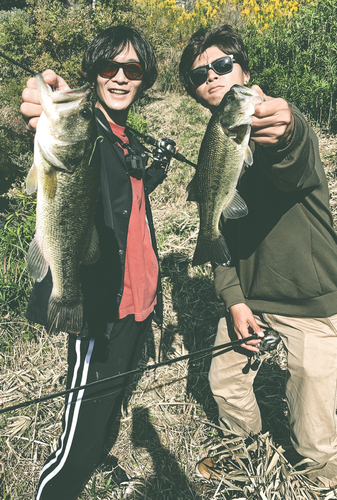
{"x": 227, "y": 286}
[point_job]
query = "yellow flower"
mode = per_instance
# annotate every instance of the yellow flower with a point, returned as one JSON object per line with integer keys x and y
{"x": 260, "y": 12}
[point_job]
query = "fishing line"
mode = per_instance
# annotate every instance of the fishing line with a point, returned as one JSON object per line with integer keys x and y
{"x": 146, "y": 369}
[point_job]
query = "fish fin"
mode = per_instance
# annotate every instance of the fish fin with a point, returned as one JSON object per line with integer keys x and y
{"x": 93, "y": 252}
{"x": 211, "y": 251}
{"x": 192, "y": 190}
{"x": 236, "y": 208}
{"x": 52, "y": 157}
{"x": 248, "y": 156}
{"x": 37, "y": 267}
{"x": 63, "y": 317}
{"x": 31, "y": 181}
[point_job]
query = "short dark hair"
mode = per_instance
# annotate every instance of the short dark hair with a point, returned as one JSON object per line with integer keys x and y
{"x": 112, "y": 42}
{"x": 223, "y": 37}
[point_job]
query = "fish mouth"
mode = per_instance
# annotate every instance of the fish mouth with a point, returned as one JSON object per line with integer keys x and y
{"x": 247, "y": 94}
{"x": 238, "y": 133}
{"x": 60, "y": 102}
{"x": 233, "y": 130}
{"x": 60, "y": 97}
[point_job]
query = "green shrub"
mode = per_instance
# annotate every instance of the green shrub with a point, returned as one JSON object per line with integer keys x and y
{"x": 15, "y": 237}
{"x": 16, "y": 149}
{"x": 45, "y": 35}
{"x": 298, "y": 60}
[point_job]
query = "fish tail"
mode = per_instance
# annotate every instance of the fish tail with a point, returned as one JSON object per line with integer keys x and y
{"x": 211, "y": 251}
{"x": 63, "y": 317}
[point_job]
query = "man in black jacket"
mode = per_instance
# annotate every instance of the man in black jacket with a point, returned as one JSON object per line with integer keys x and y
{"x": 283, "y": 272}
{"x": 122, "y": 291}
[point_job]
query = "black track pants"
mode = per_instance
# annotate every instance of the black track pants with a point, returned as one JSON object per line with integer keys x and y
{"x": 89, "y": 413}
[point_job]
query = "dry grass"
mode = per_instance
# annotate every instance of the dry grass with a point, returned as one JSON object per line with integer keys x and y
{"x": 169, "y": 419}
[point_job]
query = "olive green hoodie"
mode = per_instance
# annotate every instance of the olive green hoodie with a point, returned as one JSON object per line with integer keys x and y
{"x": 284, "y": 252}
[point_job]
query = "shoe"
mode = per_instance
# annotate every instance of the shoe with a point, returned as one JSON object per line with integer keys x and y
{"x": 213, "y": 470}
{"x": 208, "y": 469}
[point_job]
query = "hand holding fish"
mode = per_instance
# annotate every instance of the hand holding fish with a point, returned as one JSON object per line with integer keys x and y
{"x": 31, "y": 108}
{"x": 273, "y": 122}
{"x": 243, "y": 320}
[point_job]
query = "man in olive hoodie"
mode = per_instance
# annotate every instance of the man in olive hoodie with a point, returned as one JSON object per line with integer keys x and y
{"x": 283, "y": 272}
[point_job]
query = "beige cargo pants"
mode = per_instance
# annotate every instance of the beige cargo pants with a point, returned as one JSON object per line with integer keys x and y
{"x": 311, "y": 383}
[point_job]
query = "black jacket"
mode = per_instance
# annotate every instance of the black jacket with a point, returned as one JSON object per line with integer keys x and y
{"x": 102, "y": 283}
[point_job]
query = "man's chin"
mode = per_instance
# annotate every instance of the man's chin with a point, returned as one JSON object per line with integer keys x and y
{"x": 218, "y": 100}
{"x": 212, "y": 103}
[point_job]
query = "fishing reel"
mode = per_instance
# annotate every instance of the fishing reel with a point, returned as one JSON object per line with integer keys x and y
{"x": 163, "y": 152}
{"x": 269, "y": 343}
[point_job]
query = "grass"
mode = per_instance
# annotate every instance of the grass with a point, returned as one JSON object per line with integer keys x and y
{"x": 169, "y": 419}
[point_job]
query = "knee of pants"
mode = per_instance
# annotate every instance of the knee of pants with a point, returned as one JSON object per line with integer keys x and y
{"x": 212, "y": 374}
{"x": 228, "y": 386}
{"x": 217, "y": 376}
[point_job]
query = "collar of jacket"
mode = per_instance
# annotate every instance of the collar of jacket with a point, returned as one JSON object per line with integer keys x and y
{"x": 104, "y": 129}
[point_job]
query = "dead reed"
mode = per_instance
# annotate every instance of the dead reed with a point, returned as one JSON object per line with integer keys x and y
{"x": 169, "y": 419}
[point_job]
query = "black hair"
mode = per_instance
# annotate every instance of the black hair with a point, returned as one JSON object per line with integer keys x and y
{"x": 112, "y": 42}
{"x": 222, "y": 37}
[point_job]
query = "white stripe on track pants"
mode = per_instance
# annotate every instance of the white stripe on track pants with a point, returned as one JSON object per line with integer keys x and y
{"x": 89, "y": 413}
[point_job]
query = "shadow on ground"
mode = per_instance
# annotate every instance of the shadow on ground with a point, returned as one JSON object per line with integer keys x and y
{"x": 269, "y": 390}
{"x": 168, "y": 481}
{"x": 198, "y": 312}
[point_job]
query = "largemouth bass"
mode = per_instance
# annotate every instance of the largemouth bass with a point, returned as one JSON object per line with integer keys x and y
{"x": 65, "y": 173}
{"x": 223, "y": 151}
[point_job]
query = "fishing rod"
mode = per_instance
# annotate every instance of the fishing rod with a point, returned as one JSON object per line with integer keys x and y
{"x": 163, "y": 146}
{"x": 267, "y": 344}
{"x": 17, "y": 64}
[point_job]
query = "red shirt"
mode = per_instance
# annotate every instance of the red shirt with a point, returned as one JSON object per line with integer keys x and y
{"x": 141, "y": 265}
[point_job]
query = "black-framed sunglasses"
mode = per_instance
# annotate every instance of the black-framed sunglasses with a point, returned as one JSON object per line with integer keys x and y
{"x": 132, "y": 70}
{"x": 220, "y": 66}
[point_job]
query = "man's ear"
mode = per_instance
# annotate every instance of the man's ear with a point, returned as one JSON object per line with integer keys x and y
{"x": 142, "y": 86}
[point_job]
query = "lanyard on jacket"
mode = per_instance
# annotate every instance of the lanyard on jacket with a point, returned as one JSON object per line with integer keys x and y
{"x": 135, "y": 162}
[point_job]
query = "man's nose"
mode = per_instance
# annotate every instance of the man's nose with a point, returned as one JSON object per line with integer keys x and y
{"x": 211, "y": 75}
{"x": 120, "y": 76}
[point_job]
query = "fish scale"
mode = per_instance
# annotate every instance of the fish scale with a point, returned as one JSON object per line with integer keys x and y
{"x": 66, "y": 175}
{"x": 223, "y": 151}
